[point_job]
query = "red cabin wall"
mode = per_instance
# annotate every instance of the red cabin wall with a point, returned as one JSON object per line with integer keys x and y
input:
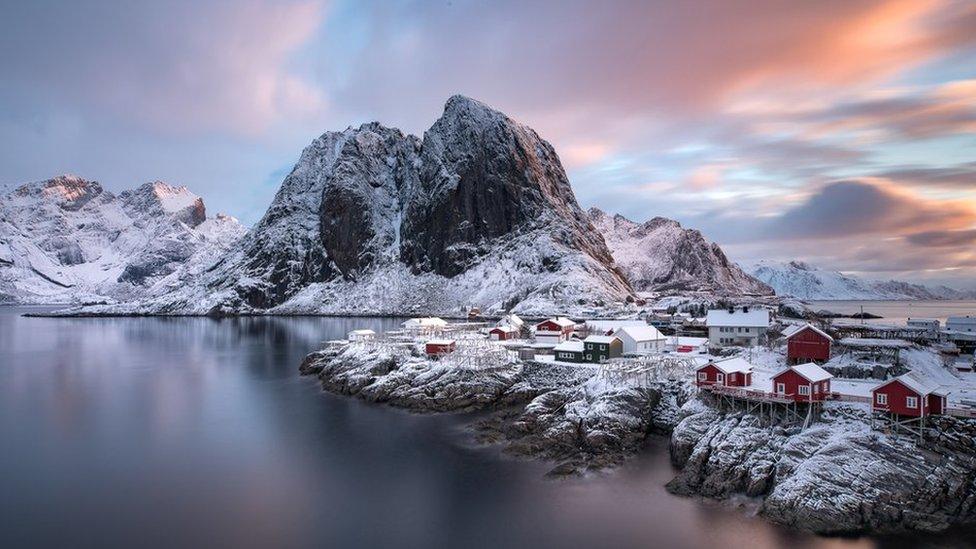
{"x": 549, "y": 326}
{"x": 807, "y": 345}
{"x": 793, "y": 380}
{"x": 434, "y": 349}
{"x": 936, "y": 404}
{"x": 502, "y": 335}
{"x": 741, "y": 379}
{"x": 896, "y": 392}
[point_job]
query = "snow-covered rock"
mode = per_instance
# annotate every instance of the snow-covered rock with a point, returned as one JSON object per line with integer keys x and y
{"x": 660, "y": 255}
{"x": 836, "y": 477}
{"x": 372, "y": 221}
{"x": 67, "y": 240}
{"x": 805, "y": 281}
{"x": 558, "y": 413}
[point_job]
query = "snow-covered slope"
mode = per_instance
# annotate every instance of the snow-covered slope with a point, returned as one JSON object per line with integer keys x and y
{"x": 67, "y": 240}
{"x": 371, "y": 221}
{"x": 805, "y": 281}
{"x": 661, "y": 255}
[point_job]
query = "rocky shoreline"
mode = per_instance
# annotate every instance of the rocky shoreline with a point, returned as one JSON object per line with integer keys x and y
{"x": 836, "y": 477}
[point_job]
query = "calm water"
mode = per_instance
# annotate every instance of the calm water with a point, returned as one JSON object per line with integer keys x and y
{"x": 145, "y": 432}
{"x": 898, "y": 312}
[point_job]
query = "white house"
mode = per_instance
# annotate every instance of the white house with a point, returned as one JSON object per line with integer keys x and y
{"x": 361, "y": 335}
{"x": 965, "y": 324}
{"x": 928, "y": 324}
{"x": 640, "y": 340}
{"x": 513, "y": 320}
{"x": 744, "y": 327}
{"x": 424, "y": 326}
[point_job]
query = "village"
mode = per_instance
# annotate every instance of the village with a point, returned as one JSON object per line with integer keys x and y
{"x": 785, "y": 371}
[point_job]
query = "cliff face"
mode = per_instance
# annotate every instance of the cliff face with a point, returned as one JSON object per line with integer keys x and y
{"x": 661, "y": 255}
{"x": 479, "y": 213}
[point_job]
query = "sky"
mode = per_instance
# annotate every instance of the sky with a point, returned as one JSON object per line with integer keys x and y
{"x": 841, "y": 133}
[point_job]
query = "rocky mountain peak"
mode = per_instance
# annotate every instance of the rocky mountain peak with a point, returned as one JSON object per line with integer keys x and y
{"x": 661, "y": 255}
{"x": 157, "y": 199}
{"x": 69, "y": 192}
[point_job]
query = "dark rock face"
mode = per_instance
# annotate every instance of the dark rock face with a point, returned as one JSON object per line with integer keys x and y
{"x": 485, "y": 176}
{"x": 372, "y": 177}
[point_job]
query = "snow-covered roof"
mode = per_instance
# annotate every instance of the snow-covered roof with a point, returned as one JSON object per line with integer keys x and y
{"x": 511, "y": 320}
{"x": 426, "y": 322}
{"x": 560, "y": 320}
{"x": 641, "y": 333}
{"x": 809, "y": 371}
{"x": 797, "y": 328}
{"x": 733, "y": 365}
{"x": 687, "y": 341}
{"x": 923, "y": 387}
{"x": 600, "y": 339}
{"x": 440, "y": 342}
{"x": 363, "y": 332}
{"x": 754, "y": 318}
{"x": 575, "y": 346}
{"x": 504, "y": 328}
{"x": 612, "y": 325}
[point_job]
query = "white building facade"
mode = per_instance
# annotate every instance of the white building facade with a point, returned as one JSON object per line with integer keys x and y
{"x": 742, "y": 327}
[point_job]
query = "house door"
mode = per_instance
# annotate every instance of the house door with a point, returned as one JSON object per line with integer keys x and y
{"x": 720, "y": 378}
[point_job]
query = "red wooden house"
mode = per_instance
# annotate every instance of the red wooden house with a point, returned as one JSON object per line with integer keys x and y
{"x": 807, "y": 343}
{"x": 438, "y": 347}
{"x": 555, "y": 330}
{"x": 803, "y": 383}
{"x": 502, "y": 333}
{"x": 734, "y": 372}
{"x": 907, "y": 395}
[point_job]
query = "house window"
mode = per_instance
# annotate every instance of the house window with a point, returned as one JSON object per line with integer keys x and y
{"x": 780, "y": 388}
{"x": 881, "y": 399}
{"x": 702, "y": 376}
{"x": 720, "y": 378}
{"x": 804, "y": 390}
{"x": 911, "y": 402}
{"x": 589, "y": 357}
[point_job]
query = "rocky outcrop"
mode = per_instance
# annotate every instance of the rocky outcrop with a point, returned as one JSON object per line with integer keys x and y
{"x": 836, "y": 477}
{"x": 544, "y": 411}
{"x": 662, "y": 256}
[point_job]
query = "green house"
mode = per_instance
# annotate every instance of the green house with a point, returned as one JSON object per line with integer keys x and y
{"x": 569, "y": 351}
{"x": 601, "y": 348}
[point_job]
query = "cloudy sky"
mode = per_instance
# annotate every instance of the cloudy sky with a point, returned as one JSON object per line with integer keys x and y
{"x": 838, "y": 132}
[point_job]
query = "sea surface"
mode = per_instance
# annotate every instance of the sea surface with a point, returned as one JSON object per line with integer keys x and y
{"x": 196, "y": 432}
{"x": 898, "y": 312}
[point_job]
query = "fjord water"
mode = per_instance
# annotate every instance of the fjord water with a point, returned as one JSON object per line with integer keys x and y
{"x": 165, "y": 432}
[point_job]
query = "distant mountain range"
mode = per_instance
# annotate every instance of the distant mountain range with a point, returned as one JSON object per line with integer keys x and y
{"x": 804, "y": 281}
{"x": 67, "y": 240}
{"x": 661, "y": 256}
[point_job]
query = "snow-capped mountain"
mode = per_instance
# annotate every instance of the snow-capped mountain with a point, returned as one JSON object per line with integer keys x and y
{"x": 477, "y": 213}
{"x": 67, "y": 240}
{"x": 660, "y": 255}
{"x": 804, "y": 281}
